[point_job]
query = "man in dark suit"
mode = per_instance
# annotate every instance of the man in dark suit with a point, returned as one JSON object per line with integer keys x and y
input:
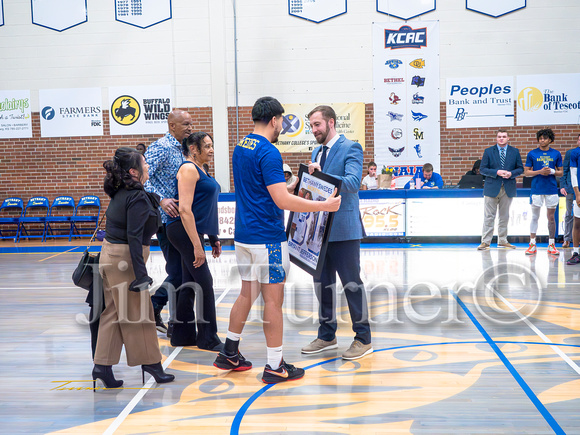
{"x": 341, "y": 158}
{"x": 500, "y": 165}
{"x": 567, "y": 190}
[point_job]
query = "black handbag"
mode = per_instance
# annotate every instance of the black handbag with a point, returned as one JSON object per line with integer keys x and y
{"x": 84, "y": 274}
{"x": 88, "y": 268}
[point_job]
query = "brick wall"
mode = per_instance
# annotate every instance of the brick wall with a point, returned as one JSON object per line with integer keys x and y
{"x": 73, "y": 166}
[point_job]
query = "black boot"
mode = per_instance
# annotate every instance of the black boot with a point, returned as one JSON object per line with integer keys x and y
{"x": 105, "y": 374}
{"x": 156, "y": 370}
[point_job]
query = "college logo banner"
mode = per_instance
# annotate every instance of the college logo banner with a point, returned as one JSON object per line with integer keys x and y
{"x": 71, "y": 112}
{"x": 59, "y": 15}
{"x": 139, "y": 109}
{"x": 142, "y": 13}
{"x": 296, "y": 135}
{"x": 480, "y": 102}
{"x": 316, "y": 11}
{"x": 406, "y": 97}
{"x": 15, "y": 114}
{"x": 549, "y": 99}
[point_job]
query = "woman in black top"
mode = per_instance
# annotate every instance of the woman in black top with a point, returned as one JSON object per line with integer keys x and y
{"x": 198, "y": 215}
{"x": 132, "y": 218}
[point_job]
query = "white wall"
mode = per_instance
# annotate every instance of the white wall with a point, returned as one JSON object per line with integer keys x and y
{"x": 280, "y": 55}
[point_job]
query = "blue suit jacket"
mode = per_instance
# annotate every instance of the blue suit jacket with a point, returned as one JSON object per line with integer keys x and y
{"x": 565, "y": 180}
{"x": 345, "y": 161}
{"x": 490, "y": 163}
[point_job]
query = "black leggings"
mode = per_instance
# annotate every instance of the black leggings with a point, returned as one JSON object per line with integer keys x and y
{"x": 197, "y": 284}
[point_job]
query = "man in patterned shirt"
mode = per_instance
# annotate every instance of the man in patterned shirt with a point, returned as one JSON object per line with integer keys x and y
{"x": 164, "y": 157}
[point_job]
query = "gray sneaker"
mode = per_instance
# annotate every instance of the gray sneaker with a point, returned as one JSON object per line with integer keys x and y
{"x": 357, "y": 350}
{"x": 319, "y": 345}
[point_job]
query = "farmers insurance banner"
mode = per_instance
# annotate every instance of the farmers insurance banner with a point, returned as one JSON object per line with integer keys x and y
{"x": 139, "y": 109}
{"x": 548, "y": 99}
{"x": 406, "y": 96}
{"x": 480, "y": 102}
{"x": 297, "y": 137}
{"x": 70, "y": 112}
{"x": 15, "y": 119}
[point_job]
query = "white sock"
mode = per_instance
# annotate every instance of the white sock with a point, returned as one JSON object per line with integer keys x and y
{"x": 234, "y": 336}
{"x": 274, "y": 357}
{"x": 533, "y": 241}
{"x": 575, "y": 249}
{"x": 551, "y": 242}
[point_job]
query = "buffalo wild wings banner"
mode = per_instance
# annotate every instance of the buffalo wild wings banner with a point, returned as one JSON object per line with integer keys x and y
{"x": 406, "y": 97}
{"x": 296, "y": 135}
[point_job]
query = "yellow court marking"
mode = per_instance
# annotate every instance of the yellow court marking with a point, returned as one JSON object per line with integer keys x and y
{"x": 56, "y": 255}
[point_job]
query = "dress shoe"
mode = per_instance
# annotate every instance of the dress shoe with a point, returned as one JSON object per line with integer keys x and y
{"x": 105, "y": 374}
{"x": 505, "y": 244}
{"x": 483, "y": 247}
{"x": 566, "y": 244}
{"x": 156, "y": 370}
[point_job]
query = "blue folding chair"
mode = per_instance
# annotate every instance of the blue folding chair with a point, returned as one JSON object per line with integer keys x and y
{"x": 58, "y": 221}
{"x": 86, "y": 218}
{"x": 10, "y": 212}
{"x": 33, "y": 219}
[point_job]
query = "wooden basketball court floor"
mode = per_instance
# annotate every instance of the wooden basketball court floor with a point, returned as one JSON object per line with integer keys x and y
{"x": 466, "y": 342}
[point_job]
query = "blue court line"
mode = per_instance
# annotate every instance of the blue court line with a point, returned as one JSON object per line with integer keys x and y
{"x": 73, "y": 249}
{"x": 531, "y": 395}
{"x": 244, "y": 408}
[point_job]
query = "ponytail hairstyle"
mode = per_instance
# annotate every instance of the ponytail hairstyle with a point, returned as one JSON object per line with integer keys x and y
{"x": 194, "y": 139}
{"x": 117, "y": 168}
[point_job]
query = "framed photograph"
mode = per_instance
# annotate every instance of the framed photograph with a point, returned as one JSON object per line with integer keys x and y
{"x": 307, "y": 233}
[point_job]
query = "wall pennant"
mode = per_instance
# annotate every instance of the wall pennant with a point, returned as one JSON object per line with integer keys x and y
{"x": 1, "y": 12}
{"x": 142, "y": 13}
{"x": 405, "y": 9}
{"x": 495, "y": 8}
{"x": 59, "y": 15}
{"x": 316, "y": 11}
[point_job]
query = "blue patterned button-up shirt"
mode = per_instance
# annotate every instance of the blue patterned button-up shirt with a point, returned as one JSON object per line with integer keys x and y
{"x": 164, "y": 158}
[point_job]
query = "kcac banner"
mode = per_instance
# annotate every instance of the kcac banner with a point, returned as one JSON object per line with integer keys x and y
{"x": 406, "y": 97}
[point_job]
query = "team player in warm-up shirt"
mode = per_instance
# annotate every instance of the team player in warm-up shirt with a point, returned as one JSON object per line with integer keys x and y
{"x": 544, "y": 164}
{"x": 574, "y": 174}
{"x": 260, "y": 239}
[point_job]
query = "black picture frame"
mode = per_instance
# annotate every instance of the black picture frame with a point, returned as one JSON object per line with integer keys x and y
{"x": 307, "y": 233}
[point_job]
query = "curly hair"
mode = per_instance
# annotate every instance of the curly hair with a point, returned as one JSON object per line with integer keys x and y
{"x": 194, "y": 139}
{"x": 547, "y": 133}
{"x": 117, "y": 168}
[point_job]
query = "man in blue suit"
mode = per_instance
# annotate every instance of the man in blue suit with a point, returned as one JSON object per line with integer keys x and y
{"x": 500, "y": 166}
{"x": 343, "y": 159}
{"x": 567, "y": 190}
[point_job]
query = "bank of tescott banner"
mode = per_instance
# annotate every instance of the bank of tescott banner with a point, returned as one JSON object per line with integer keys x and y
{"x": 71, "y": 112}
{"x": 406, "y": 96}
{"x": 296, "y": 135}
{"x": 480, "y": 102}
{"x": 548, "y": 99}
{"x": 139, "y": 109}
{"x": 15, "y": 116}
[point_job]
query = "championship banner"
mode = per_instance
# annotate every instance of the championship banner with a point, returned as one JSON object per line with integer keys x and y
{"x": 139, "y": 109}
{"x": 142, "y": 13}
{"x": 15, "y": 114}
{"x": 1, "y": 12}
{"x": 316, "y": 11}
{"x": 406, "y": 97}
{"x": 71, "y": 112}
{"x": 59, "y": 15}
{"x": 480, "y": 102}
{"x": 296, "y": 135}
{"x": 549, "y": 99}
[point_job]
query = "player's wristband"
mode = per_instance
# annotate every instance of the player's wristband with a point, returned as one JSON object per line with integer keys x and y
{"x": 552, "y": 171}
